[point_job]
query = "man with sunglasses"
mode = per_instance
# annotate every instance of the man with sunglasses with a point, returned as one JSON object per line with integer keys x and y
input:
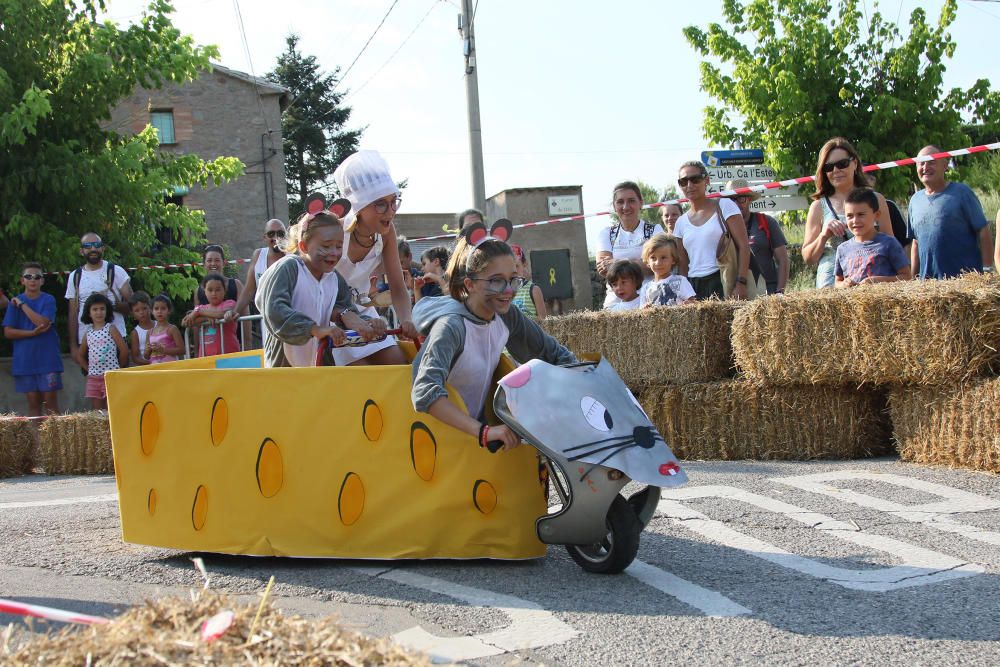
{"x": 96, "y": 275}
{"x": 263, "y": 258}
{"x": 36, "y": 365}
{"x": 950, "y": 232}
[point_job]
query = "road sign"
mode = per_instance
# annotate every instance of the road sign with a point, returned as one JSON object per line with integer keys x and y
{"x": 719, "y": 186}
{"x": 760, "y": 173}
{"x": 564, "y": 205}
{"x": 775, "y": 204}
{"x": 727, "y": 157}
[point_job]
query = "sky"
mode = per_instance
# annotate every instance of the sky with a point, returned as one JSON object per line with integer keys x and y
{"x": 572, "y": 92}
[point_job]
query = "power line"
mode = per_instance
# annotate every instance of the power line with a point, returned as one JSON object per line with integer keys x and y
{"x": 246, "y": 49}
{"x": 377, "y": 28}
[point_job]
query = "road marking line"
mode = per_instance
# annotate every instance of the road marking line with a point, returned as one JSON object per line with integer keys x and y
{"x": 704, "y": 600}
{"x": 531, "y": 626}
{"x": 920, "y": 566}
{"x": 79, "y": 500}
{"x": 934, "y": 515}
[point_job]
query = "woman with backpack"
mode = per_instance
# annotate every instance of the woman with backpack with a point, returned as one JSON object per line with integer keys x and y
{"x": 623, "y": 239}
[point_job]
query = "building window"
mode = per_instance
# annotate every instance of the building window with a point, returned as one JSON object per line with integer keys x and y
{"x": 163, "y": 121}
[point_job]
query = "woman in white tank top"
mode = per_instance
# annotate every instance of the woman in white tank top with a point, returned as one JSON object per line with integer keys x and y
{"x": 370, "y": 248}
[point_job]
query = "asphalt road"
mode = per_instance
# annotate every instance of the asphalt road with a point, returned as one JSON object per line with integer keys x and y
{"x": 868, "y": 562}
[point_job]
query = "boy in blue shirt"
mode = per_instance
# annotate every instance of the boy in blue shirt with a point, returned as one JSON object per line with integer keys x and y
{"x": 28, "y": 323}
{"x": 871, "y": 256}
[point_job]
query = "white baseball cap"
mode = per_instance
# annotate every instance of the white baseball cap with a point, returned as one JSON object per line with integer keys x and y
{"x": 363, "y": 178}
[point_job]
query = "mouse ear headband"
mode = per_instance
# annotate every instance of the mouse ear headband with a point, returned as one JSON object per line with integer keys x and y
{"x": 475, "y": 234}
{"x": 316, "y": 204}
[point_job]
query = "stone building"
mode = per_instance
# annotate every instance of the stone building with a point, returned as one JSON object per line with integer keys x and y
{"x": 222, "y": 113}
{"x": 557, "y": 254}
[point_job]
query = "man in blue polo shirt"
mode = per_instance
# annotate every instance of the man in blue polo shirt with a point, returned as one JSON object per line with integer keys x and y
{"x": 949, "y": 230}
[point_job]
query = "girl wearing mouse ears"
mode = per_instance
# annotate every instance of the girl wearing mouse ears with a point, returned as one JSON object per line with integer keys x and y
{"x": 467, "y": 330}
{"x": 370, "y": 248}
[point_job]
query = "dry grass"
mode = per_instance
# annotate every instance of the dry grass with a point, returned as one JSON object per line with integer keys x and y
{"x": 917, "y": 333}
{"x": 76, "y": 444}
{"x": 167, "y": 632}
{"x": 18, "y": 445}
{"x": 955, "y": 426}
{"x": 736, "y": 420}
{"x": 667, "y": 345}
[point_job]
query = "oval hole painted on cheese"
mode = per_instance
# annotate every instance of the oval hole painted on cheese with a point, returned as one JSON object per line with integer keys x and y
{"x": 484, "y": 496}
{"x": 371, "y": 420}
{"x": 199, "y": 509}
{"x": 270, "y": 469}
{"x": 220, "y": 420}
{"x": 351, "y": 501}
{"x": 149, "y": 427}
{"x": 423, "y": 450}
{"x": 151, "y": 502}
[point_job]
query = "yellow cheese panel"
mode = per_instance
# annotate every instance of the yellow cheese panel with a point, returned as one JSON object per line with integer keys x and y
{"x": 311, "y": 462}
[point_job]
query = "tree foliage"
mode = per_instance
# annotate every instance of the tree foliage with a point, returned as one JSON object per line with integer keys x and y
{"x": 312, "y": 127}
{"x": 63, "y": 171}
{"x": 798, "y": 72}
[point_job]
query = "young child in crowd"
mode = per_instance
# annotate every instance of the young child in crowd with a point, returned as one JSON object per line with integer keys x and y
{"x": 406, "y": 265}
{"x": 142, "y": 313}
{"x": 36, "y": 365}
{"x": 164, "y": 341}
{"x": 529, "y": 298}
{"x": 625, "y": 280}
{"x": 466, "y": 333}
{"x": 433, "y": 281}
{"x": 659, "y": 253}
{"x": 304, "y": 299}
{"x": 215, "y": 339}
{"x": 871, "y": 256}
{"x": 103, "y": 348}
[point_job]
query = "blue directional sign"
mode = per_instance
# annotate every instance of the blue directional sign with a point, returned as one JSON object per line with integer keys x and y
{"x": 732, "y": 157}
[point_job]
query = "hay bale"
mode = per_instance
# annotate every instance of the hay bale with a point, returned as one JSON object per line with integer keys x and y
{"x": 168, "y": 632}
{"x": 956, "y": 426}
{"x": 18, "y": 445}
{"x": 76, "y": 444}
{"x": 919, "y": 332}
{"x": 668, "y": 345}
{"x": 736, "y": 419}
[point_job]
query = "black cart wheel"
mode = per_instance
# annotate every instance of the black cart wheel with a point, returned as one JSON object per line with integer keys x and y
{"x": 618, "y": 548}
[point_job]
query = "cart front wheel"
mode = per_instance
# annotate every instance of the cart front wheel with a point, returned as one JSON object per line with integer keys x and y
{"x": 618, "y": 548}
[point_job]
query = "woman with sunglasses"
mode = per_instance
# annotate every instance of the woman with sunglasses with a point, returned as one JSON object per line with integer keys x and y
{"x": 372, "y": 248}
{"x": 838, "y": 171}
{"x": 700, "y": 230}
{"x": 262, "y": 260}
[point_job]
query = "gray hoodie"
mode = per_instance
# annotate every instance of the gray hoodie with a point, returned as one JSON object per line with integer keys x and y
{"x": 443, "y": 320}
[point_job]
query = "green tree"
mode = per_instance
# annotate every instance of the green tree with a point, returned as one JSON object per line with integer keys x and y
{"x": 312, "y": 126}
{"x": 798, "y": 72}
{"x": 63, "y": 172}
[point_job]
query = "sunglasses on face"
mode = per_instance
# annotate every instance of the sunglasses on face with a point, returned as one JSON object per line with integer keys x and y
{"x": 32, "y": 276}
{"x": 381, "y": 206}
{"x": 91, "y": 244}
{"x": 684, "y": 180}
{"x": 275, "y": 234}
{"x": 839, "y": 164}
{"x": 499, "y": 285}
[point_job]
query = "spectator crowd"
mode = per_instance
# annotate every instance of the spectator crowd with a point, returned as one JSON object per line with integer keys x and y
{"x": 337, "y": 270}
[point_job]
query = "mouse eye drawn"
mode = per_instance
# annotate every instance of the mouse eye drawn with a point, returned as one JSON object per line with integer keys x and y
{"x": 596, "y": 414}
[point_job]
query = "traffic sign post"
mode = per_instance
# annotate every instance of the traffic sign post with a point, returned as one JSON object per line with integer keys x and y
{"x": 729, "y": 157}
{"x": 775, "y": 204}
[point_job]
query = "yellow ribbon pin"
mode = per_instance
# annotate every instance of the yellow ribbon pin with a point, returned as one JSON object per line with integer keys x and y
{"x": 552, "y": 276}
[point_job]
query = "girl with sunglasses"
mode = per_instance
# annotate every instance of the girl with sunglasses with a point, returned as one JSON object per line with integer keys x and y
{"x": 371, "y": 248}
{"x": 466, "y": 334}
{"x": 838, "y": 172}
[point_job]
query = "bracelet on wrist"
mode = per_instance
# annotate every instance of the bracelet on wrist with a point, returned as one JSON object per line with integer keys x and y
{"x": 484, "y": 431}
{"x": 741, "y": 280}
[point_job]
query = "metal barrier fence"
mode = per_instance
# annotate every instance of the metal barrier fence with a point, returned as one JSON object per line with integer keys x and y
{"x": 222, "y": 339}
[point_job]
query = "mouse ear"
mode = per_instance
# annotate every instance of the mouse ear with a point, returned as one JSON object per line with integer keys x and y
{"x": 315, "y": 203}
{"x": 340, "y": 207}
{"x": 502, "y": 229}
{"x": 474, "y": 233}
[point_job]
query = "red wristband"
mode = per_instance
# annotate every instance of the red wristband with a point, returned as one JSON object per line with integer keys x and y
{"x": 484, "y": 431}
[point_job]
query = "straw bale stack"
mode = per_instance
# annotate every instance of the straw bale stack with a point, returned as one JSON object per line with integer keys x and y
{"x": 18, "y": 445}
{"x": 168, "y": 632}
{"x": 955, "y": 426}
{"x": 669, "y": 345}
{"x": 736, "y": 419}
{"x": 76, "y": 444}
{"x": 914, "y": 333}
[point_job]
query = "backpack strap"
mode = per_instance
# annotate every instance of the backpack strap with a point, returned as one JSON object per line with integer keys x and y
{"x": 615, "y": 229}
{"x": 647, "y": 230}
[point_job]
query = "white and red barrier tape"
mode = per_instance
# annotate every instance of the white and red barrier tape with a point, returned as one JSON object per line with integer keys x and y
{"x": 48, "y": 613}
{"x": 725, "y": 193}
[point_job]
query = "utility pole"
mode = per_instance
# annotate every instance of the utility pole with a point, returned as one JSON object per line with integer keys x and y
{"x": 466, "y": 29}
